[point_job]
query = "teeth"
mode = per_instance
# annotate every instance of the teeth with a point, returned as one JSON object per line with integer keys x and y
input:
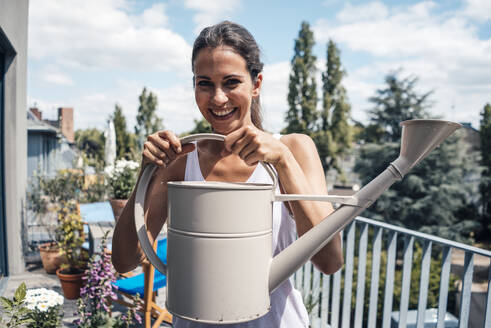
{"x": 222, "y": 112}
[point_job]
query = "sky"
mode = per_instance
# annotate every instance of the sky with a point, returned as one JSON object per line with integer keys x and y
{"x": 94, "y": 54}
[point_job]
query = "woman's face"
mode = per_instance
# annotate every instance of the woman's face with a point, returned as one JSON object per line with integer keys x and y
{"x": 224, "y": 89}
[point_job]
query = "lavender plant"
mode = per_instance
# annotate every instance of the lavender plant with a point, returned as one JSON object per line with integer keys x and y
{"x": 94, "y": 305}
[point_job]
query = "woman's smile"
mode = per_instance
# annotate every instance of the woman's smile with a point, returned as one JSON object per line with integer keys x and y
{"x": 224, "y": 89}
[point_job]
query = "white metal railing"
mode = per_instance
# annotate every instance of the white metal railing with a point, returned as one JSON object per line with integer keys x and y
{"x": 322, "y": 293}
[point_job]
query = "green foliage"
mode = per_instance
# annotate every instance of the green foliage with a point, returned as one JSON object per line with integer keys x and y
{"x": 395, "y": 103}
{"x": 122, "y": 178}
{"x": 200, "y": 126}
{"x": 69, "y": 184}
{"x": 13, "y": 312}
{"x": 432, "y": 196}
{"x": 302, "y": 94}
{"x": 147, "y": 121}
{"x": 126, "y": 142}
{"x": 92, "y": 143}
{"x": 485, "y": 186}
{"x": 70, "y": 232}
{"x": 334, "y": 135}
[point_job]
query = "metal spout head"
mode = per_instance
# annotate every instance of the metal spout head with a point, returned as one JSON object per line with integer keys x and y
{"x": 419, "y": 137}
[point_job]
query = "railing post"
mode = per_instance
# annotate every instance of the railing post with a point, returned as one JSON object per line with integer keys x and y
{"x": 348, "y": 274}
{"x": 423, "y": 283}
{"x": 360, "y": 284}
{"x": 406, "y": 280}
{"x": 389, "y": 278}
{"x": 465, "y": 300}
{"x": 374, "y": 281}
{"x": 444, "y": 281}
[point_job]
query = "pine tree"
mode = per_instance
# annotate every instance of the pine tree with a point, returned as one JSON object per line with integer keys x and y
{"x": 436, "y": 196}
{"x": 334, "y": 136}
{"x": 147, "y": 121}
{"x": 125, "y": 141}
{"x": 485, "y": 186}
{"x": 302, "y": 95}
{"x": 397, "y": 102}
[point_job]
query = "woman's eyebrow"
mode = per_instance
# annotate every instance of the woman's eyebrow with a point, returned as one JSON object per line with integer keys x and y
{"x": 232, "y": 75}
{"x": 203, "y": 77}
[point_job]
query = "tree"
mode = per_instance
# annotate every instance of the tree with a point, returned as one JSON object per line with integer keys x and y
{"x": 200, "y": 126}
{"x": 333, "y": 138}
{"x": 125, "y": 141}
{"x": 147, "y": 121}
{"x": 397, "y": 102}
{"x": 433, "y": 197}
{"x": 436, "y": 196}
{"x": 302, "y": 95}
{"x": 485, "y": 185}
{"x": 92, "y": 143}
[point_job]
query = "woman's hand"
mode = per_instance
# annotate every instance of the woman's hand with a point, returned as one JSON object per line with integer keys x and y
{"x": 163, "y": 147}
{"x": 254, "y": 145}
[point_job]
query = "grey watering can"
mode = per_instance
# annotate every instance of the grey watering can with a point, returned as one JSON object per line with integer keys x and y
{"x": 220, "y": 267}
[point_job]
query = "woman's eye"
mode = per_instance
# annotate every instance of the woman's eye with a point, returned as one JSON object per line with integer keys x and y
{"x": 204, "y": 83}
{"x": 232, "y": 82}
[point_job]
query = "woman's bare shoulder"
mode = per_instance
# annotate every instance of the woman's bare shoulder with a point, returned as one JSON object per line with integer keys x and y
{"x": 301, "y": 145}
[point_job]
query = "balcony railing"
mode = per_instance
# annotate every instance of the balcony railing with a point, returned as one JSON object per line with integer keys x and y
{"x": 328, "y": 307}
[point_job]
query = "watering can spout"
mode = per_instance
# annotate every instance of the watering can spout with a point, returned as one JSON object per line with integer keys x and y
{"x": 419, "y": 138}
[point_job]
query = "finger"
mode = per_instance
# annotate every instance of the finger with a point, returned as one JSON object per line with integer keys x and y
{"x": 232, "y": 137}
{"x": 248, "y": 149}
{"x": 253, "y": 158}
{"x": 157, "y": 152}
{"x": 163, "y": 145}
{"x": 151, "y": 157}
{"x": 173, "y": 140}
{"x": 247, "y": 138}
{"x": 187, "y": 148}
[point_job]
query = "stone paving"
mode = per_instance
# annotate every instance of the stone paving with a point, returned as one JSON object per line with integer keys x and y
{"x": 36, "y": 277}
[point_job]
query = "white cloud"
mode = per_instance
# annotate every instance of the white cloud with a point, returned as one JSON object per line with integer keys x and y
{"x": 478, "y": 9}
{"x": 273, "y": 95}
{"x": 442, "y": 49}
{"x": 211, "y": 12}
{"x": 373, "y": 10}
{"x": 58, "y": 79}
{"x": 101, "y": 34}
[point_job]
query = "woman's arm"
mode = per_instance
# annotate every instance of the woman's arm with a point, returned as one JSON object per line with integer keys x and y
{"x": 297, "y": 162}
{"x": 301, "y": 172}
{"x": 164, "y": 150}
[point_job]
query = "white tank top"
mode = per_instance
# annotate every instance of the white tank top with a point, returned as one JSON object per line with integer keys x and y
{"x": 287, "y": 308}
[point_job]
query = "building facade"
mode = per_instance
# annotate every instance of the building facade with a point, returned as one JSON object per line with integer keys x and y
{"x": 13, "y": 138}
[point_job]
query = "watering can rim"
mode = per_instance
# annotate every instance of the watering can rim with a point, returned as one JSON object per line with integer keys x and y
{"x": 221, "y": 185}
{"x": 428, "y": 120}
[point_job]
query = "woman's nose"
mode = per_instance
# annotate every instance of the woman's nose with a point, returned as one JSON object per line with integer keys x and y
{"x": 220, "y": 97}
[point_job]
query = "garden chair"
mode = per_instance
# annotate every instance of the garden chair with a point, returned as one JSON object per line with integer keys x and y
{"x": 147, "y": 284}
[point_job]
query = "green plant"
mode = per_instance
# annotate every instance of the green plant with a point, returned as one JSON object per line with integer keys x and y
{"x": 94, "y": 305}
{"x": 14, "y": 312}
{"x": 70, "y": 237}
{"x": 45, "y": 308}
{"x": 121, "y": 178}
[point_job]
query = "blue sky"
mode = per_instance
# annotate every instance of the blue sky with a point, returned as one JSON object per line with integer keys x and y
{"x": 92, "y": 54}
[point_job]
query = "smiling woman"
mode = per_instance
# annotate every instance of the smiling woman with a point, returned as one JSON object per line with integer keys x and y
{"x": 227, "y": 82}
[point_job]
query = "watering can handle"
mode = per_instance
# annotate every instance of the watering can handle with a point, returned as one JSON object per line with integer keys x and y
{"x": 141, "y": 190}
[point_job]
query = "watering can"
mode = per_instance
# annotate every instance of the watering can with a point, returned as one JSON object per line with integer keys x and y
{"x": 220, "y": 267}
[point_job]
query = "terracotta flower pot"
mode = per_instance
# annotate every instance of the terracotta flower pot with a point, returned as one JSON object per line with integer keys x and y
{"x": 70, "y": 284}
{"x": 117, "y": 205}
{"x": 51, "y": 257}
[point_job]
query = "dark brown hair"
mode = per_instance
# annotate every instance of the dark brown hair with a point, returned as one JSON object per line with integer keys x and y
{"x": 237, "y": 37}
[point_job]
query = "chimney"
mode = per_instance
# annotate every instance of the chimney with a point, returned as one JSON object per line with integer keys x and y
{"x": 65, "y": 122}
{"x": 37, "y": 113}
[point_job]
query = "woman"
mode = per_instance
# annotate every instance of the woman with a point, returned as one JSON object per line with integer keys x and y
{"x": 227, "y": 83}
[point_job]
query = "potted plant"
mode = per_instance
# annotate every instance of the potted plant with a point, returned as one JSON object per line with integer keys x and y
{"x": 121, "y": 178}
{"x": 45, "y": 308}
{"x": 70, "y": 236}
{"x": 94, "y": 305}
